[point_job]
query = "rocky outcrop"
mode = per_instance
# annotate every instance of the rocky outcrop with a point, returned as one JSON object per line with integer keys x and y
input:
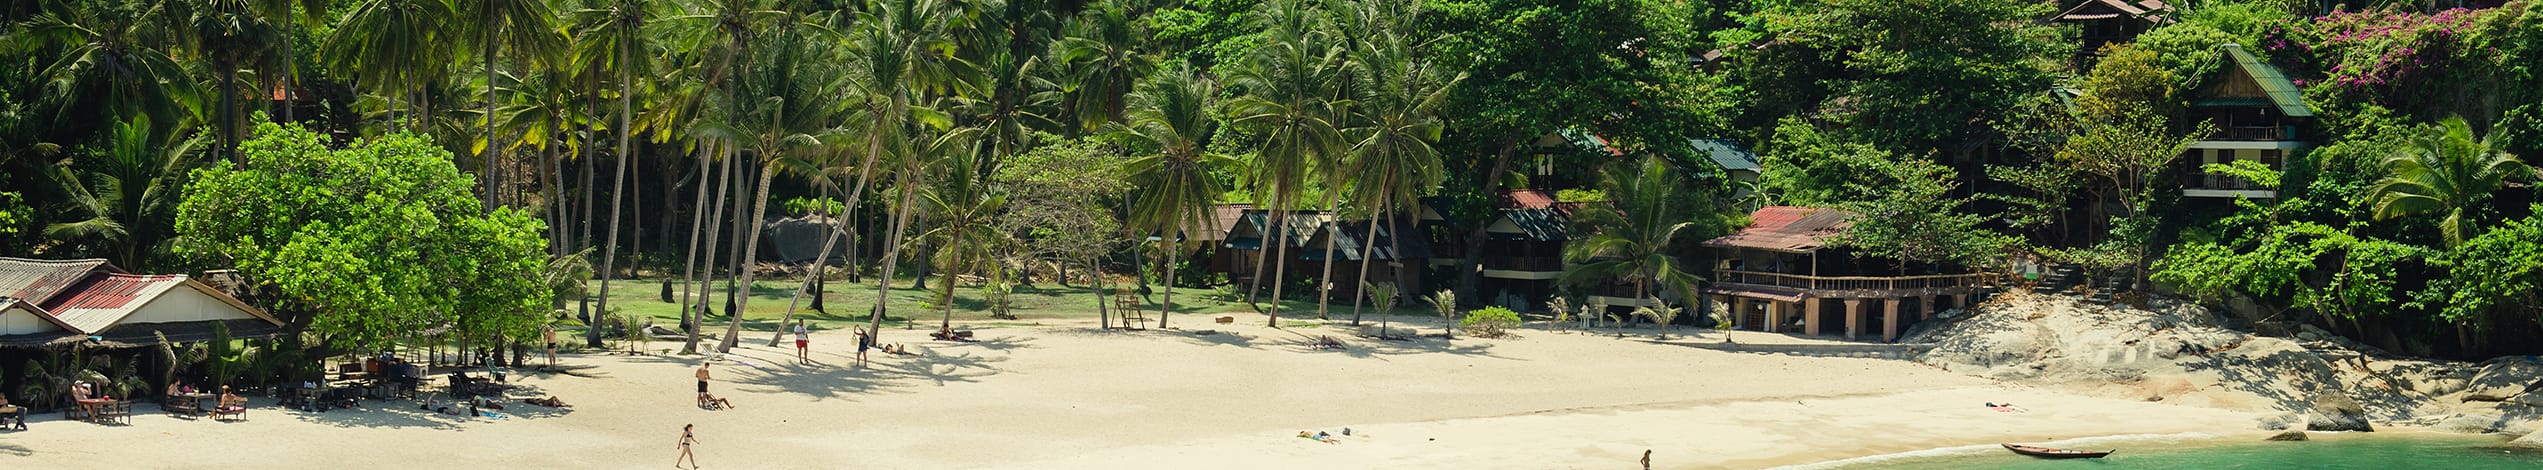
{"x": 2336, "y": 412}
{"x": 2180, "y": 353}
{"x": 2288, "y": 435}
{"x": 2503, "y": 378}
{"x": 2174, "y": 352}
{"x": 2530, "y": 441}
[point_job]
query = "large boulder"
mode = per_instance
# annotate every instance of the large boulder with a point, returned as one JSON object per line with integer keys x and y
{"x": 2337, "y": 412}
{"x": 799, "y": 239}
{"x": 2469, "y": 422}
{"x": 2288, "y": 435}
{"x": 2530, "y": 441}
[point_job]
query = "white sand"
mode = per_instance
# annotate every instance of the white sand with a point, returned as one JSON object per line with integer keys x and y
{"x": 1068, "y": 396}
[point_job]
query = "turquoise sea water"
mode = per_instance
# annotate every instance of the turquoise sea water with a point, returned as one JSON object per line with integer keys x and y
{"x": 2409, "y": 451}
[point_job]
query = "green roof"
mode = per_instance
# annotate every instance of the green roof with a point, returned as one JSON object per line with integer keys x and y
{"x": 1730, "y": 155}
{"x": 2284, "y": 93}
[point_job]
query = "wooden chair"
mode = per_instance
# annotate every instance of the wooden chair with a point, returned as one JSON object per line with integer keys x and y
{"x": 1133, "y": 316}
{"x": 118, "y": 411}
{"x": 232, "y": 407}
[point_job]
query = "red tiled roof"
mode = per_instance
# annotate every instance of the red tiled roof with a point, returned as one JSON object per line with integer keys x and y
{"x": 1525, "y": 199}
{"x": 1787, "y": 228}
{"x": 39, "y": 280}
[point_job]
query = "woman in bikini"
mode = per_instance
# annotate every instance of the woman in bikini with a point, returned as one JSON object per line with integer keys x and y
{"x": 688, "y": 435}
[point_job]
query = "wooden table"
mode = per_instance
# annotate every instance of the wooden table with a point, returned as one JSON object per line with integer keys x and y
{"x": 188, "y": 403}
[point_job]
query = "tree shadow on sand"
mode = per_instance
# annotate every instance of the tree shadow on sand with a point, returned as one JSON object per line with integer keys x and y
{"x": 14, "y": 449}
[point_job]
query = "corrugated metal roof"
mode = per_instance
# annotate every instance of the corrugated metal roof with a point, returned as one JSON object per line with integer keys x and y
{"x": 37, "y": 281}
{"x": 1545, "y": 224}
{"x": 1347, "y": 234}
{"x": 1787, "y": 228}
{"x": 2289, "y": 99}
{"x": 1730, "y": 155}
{"x": 1224, "y": 216}
{"x": 103, "y": 300}
{"x": 2106, "y": 9}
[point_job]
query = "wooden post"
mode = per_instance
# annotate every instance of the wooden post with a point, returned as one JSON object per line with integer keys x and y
{"x": 1810, "y": 316}
{"x": 1853, "y": 317}
{"x": 1774, "y": 317}
{"x": 1889, "y": 324}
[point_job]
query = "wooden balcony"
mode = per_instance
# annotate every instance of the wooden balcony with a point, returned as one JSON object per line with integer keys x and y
{"x": 1861, "y": 286}
{"x": 2253, "y": 133}
{"x": 1523, "y": 263}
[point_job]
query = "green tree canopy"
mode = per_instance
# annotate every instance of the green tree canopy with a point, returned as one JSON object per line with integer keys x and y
{"x": 362, "y": 244}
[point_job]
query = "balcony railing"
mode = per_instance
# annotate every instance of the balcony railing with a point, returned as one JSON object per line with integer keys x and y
{"x": 1523, "y": 263}
{"x": 2251, "y": 133}
{"x": 2196, "y": 177}
{"x": 1797, "y": 281}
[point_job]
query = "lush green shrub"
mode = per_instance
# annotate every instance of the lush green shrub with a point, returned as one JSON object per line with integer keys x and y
{"x": 1490, "y": 322}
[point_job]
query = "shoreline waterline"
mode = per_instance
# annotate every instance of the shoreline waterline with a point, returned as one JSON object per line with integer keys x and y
{"x": 2229, "y": 450}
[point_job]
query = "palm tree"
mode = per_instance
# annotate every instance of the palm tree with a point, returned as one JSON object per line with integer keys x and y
{"x": 2445, "y": 170}
{"x": 607, "y": 36}
{"x": 1103, "y": 48}
{"x": 1629, "y": 237}
{"x": 527, "y": 28}
{"x": 128, "y": 191}
{"x": 797, "y": 93}
{"x": 718, "y": 34}
{"x": 899, "y": 45}
{"x": 1288, "y": 84}
{"x": 111, "y": 62}
{"x": 232, "y": 34}
{"x": 1171, "y": 111}
{"x": 963, "y": 212}
{"x": 396, "y": 47}
{"x": 1398, "y": 119}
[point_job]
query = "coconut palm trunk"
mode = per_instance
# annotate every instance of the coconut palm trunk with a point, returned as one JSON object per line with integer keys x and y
{"x": 618, "y": 182}
{"x": 892, "y": 250}
{"x": 1367, "y": 255}
{"x": 1173, "y": 244}
{"x": 1333, "y": 215}
{"x": 750, "y": 251}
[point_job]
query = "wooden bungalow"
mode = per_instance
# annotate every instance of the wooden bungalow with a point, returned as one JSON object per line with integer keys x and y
{"x": 1779, "y": 274}
{"x": 1399, "y": 250}
{"x": 2259, "y": 115}
{"x": 45, "y": 303}
{"x": 2102, "y": 22}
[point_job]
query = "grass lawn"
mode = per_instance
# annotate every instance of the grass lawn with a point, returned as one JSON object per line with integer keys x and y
{"x": 848, "y": 303}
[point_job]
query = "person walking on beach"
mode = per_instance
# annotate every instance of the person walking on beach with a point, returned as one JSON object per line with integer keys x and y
{"x": 688, "y": 435}
{"x": 803, "y": 344}
{"x": 1646, "y": 459}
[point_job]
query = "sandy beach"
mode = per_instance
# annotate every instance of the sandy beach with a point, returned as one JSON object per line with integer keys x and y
{"x": 1064, "y": 395}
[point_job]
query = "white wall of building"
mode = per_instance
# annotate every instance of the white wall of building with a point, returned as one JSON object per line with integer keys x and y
{"x": 184, "y": 304}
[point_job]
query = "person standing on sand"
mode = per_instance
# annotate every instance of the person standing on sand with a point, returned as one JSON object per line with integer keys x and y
{"x": 702, "y": 376}
{"x": 1646, "y": 459}
{"x": 803, "y": 344}
{"x": 550, "y": 331}
{"x": 688, "y": 435}
{"x": 863, "y": 342}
